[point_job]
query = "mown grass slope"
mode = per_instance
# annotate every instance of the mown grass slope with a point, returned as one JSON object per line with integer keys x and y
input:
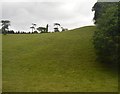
{"x": 55, "y": 62}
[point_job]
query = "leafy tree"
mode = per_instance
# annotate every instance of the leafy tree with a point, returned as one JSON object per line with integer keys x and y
{"x": 97, "y": 8}
{"x": 56, "y": 29}
{"x": 107, "y": 37}
{"x": 100, "y": 9}
{"x": 57, "y": 25}
{"x": 33, "y": 26}
{"x": 11, "y": 32}
{"x": 5, "y": 26}
{"x": 35, "y": 32}
{"x": 64, "y": 29}
{"x": 42, "y": 29}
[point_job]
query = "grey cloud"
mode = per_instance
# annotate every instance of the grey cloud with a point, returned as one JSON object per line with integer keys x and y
{"x": 70, "y": 15}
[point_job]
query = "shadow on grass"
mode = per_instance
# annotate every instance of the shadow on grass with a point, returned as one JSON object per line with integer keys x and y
{"x": 109, "y": 66}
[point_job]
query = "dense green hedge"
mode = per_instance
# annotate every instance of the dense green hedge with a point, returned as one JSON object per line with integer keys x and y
{"x": 107, "y": 37}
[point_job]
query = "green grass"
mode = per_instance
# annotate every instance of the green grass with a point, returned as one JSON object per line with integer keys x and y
{"x": 55, "y": 62}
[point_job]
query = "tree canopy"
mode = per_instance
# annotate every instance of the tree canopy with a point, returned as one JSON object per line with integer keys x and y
{"x": 107, "y": 37}
{"x": 5, "y": 26}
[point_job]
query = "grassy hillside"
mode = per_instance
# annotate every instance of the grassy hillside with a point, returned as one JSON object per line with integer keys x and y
{"x": 55, "y": 62}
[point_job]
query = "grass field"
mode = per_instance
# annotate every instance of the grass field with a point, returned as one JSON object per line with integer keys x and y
{"x": 55, "y": 62}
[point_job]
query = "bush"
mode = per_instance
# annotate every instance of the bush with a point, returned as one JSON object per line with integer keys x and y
{"x": 107, "y": 37}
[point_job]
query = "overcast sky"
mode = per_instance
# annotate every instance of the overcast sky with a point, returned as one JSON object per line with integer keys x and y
{"x": 69, "y": 13}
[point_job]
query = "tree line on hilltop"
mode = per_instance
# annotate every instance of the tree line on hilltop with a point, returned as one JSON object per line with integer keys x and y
{"x": 6, "y": 23}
